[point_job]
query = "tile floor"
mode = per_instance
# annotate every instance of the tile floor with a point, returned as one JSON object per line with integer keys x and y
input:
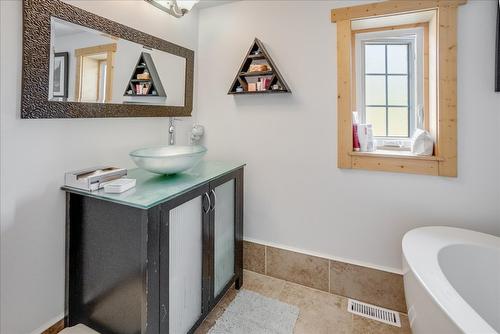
{"x": 320, "y": 312}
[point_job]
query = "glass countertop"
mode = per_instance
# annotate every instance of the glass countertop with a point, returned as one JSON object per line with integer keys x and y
{"x": 152, "y": 189}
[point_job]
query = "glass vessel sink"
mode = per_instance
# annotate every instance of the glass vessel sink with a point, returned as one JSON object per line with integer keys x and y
{"x": 168, "y": 159}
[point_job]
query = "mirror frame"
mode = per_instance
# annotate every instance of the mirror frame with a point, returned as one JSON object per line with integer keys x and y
{"x": 36, "y": 57}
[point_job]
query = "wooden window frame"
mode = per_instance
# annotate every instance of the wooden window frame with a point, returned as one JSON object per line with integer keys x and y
{"x": 110, "y": 50}
{"x": 440, "y": 85}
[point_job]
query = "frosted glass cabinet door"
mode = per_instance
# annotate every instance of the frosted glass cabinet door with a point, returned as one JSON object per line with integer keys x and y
{"x": 185, "y": 266}
{"x": 224, "y": 235}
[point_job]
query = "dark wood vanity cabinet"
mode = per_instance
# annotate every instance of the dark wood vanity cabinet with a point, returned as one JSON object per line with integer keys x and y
{"x": 156, "y": 270}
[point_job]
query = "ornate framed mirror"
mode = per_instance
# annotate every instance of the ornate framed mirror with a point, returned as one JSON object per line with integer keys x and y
{"x": 79, "y": 65}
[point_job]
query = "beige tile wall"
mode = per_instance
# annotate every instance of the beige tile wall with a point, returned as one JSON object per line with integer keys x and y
{"x": 298, "y": 268}
{"x": 254, "y": 257}
{"x": 365, "y": 284}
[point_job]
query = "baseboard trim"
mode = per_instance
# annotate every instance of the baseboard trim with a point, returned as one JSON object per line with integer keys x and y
{"x": 369, "y": 284}
{"x": 326, "y": 256}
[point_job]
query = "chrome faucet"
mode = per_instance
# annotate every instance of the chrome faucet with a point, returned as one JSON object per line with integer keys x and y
{"x": 171, "y": 131}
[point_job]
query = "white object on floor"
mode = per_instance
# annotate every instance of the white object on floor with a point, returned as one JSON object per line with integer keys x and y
{"x": 78, "y": 329}
{"x": 119, "y": 186}
{"x": 252, "y": 313}
{"x": 374, "y": 312}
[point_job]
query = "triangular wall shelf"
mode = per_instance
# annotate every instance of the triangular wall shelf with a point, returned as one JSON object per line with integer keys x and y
{"x": 271, "y": 79}
{"x": 149, "y": 86}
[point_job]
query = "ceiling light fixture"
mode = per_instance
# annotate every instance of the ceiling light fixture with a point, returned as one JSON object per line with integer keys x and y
{"x": 176, "y": 8}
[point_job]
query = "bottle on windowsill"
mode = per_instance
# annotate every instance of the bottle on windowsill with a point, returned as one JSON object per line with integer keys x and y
{"x": 355, "y": 138}
{"x": 365, "y": 135}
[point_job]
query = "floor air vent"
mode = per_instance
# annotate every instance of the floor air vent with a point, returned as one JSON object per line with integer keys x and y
{"x": 374, "y": 312}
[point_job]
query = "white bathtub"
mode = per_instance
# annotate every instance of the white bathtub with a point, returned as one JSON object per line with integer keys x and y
{"x": 452, "y": 281}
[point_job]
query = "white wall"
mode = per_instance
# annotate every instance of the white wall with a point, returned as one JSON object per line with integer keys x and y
{"x": 69, "y": 43}
{"x": 295, "y": 195}
{"x": 36, "y": 153}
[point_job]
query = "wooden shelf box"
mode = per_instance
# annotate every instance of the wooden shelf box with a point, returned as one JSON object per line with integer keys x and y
{"x": 145, "y": 63}
{"x": 258, "y": 55}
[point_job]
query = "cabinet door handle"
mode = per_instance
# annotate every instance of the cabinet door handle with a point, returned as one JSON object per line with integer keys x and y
{"x": 215, "y": 199}
{"x": 209, "y": 203}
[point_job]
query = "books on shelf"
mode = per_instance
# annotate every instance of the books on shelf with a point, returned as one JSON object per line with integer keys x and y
{"x": 263, "y": 84}
{"x": 142, "y": 88}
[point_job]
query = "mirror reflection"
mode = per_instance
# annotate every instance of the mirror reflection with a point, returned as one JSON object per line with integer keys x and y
{"x": 87, "y": 65}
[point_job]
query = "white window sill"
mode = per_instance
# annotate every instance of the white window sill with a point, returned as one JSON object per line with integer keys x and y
{"x": 395, "y": 154}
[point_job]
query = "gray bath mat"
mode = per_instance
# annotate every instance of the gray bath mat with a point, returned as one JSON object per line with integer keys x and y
{"x": 251, "y": 313}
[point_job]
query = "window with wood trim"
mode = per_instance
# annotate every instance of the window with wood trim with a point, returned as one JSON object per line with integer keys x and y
{"x": 396, "y": 67}
{"x": 94, "y": 73}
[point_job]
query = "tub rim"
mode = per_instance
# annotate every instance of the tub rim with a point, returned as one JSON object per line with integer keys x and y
{"x": 424, "y": 264}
